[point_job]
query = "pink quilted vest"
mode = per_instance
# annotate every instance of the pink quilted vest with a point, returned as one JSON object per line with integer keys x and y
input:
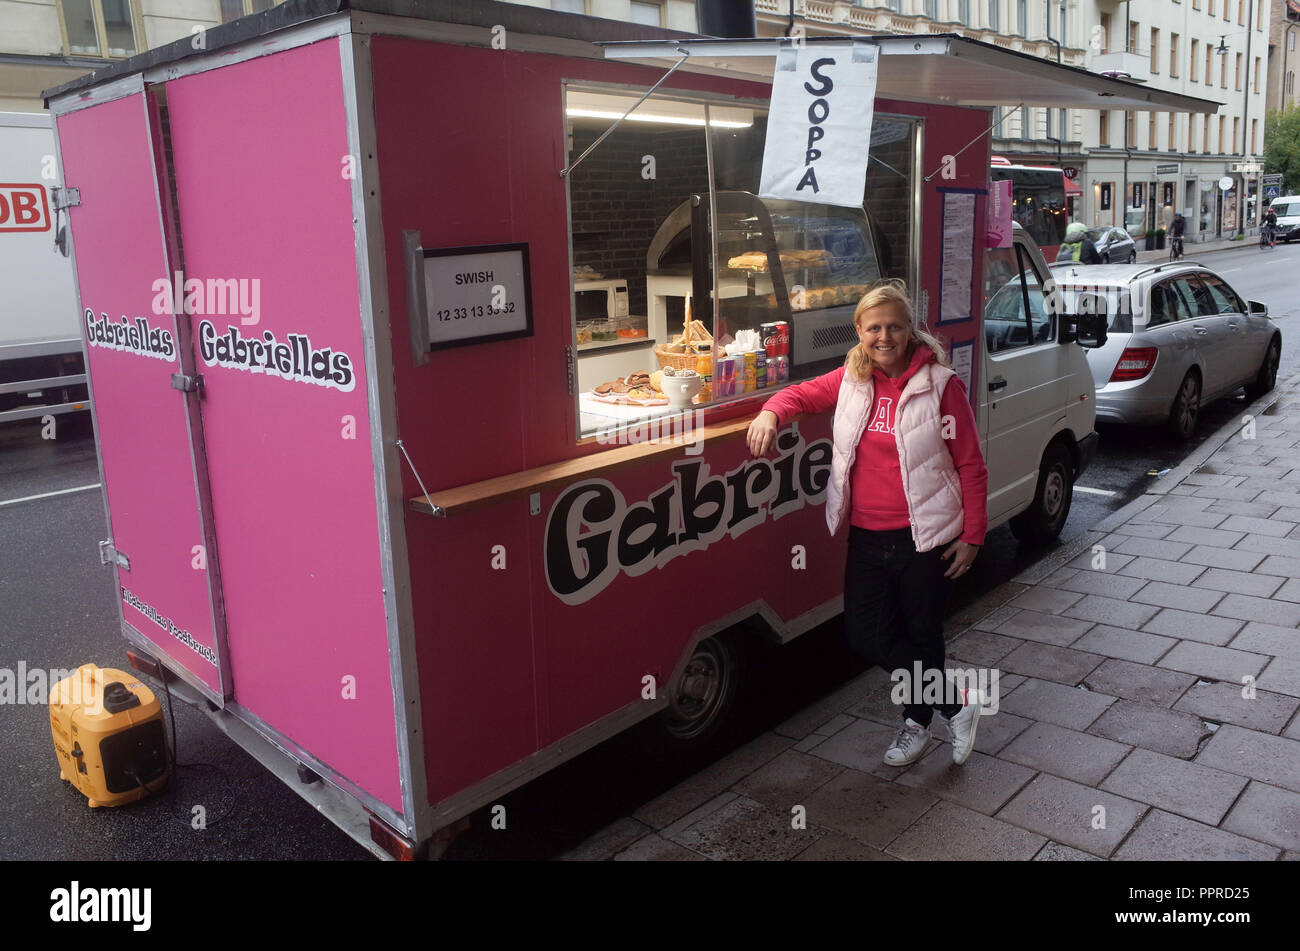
{"x": 930, "y": 480}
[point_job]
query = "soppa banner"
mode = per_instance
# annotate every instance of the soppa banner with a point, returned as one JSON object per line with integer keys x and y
{"x": 819, "y": 125}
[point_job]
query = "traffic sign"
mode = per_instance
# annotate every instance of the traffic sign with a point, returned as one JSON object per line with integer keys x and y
{"x": 1272, "y": 191}
{"x": 1272, "y": 178}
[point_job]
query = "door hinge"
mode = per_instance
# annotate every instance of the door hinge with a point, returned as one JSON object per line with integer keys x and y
{"x": 65, "y": 197}
{"x": 108, "y": 555}
{"x": 571, "y": 360}
{"x": 187, "y": 383}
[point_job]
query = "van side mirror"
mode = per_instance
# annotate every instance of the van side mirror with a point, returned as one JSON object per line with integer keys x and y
{"x": 1258, "y": 309}
{"x": 1087, "y": 326}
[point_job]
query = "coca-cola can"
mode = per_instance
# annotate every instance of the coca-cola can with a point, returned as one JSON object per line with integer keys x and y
{"x": 776, "y": 338}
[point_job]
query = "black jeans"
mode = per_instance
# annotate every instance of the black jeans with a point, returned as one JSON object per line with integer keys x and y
{"x": 894, "y": 600}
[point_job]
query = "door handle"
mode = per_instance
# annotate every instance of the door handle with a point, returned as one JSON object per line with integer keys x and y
{"x": 1200, "y": 330}
{"x": 997, "y": 383}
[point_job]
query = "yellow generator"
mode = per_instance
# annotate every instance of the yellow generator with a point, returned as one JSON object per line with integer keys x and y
{"x": 109, "y": 736}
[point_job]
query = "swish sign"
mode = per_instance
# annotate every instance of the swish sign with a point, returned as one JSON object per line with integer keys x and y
{"x": 819, "y": 126}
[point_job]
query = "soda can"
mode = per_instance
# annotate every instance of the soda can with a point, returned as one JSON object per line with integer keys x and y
{"x": 751, "y": 371}
{"x": 780, "y": 370}
{"x": 782, "y": 333}
{"x": 768, "y": 334}
{"x": 761, "y": 375}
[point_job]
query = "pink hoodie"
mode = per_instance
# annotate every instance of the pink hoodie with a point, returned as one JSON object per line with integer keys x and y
{"x": 877, "y": 501}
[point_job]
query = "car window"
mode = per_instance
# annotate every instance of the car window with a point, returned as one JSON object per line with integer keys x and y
{"x": 1015, "y": 313}
{"x": 1167, "y": 305}
{"x": 1202, "y": 301}
{"x": 1187, "y": 295}
{"x": 1225, "y": 299}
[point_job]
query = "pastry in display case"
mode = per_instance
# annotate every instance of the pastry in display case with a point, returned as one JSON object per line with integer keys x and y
{"x": 802, "y": 264}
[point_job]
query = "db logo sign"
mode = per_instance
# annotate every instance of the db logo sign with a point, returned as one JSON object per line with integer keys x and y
{"x": 23, "y": 208}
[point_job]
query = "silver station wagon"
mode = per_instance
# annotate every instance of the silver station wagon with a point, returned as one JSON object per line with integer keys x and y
{"x": 1178, "y": 336}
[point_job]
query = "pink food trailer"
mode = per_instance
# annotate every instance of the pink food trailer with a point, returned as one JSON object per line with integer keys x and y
{"x": 370, "y": 294}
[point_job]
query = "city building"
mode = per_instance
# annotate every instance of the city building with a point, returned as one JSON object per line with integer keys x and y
{"x": 1282, "y": 61}
{"x": 44, "y": 43}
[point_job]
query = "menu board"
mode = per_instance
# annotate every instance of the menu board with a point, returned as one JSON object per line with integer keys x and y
{"x": 958, "y": 256}
{"x": 477, "y": 294}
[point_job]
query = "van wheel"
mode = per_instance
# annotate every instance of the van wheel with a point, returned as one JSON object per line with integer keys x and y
{"x": 703, "y": 700}
{"x": 1267, "y": 377}
{"x": 1186, "y": 409}
{"x": 1042, "y": 522}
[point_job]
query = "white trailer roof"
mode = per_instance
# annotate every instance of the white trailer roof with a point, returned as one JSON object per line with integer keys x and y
{"x": 947, "y": 68}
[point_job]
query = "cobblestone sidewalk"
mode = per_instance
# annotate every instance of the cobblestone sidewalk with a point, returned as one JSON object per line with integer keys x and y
{"x": 1149, "y": 687}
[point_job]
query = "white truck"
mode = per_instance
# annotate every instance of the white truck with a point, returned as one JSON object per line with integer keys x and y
{"x": 42, "y": 370}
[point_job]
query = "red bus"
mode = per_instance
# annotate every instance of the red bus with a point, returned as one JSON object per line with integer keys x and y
{"x": 1037, "y": 201}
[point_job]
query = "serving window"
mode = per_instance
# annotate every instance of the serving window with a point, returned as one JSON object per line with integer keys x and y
{"x": 689, "y": 290}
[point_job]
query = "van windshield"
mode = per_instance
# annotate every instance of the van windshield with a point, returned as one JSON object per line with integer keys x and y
{"x": 1284, "y": 209}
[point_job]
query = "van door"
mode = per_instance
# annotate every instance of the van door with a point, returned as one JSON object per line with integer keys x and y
{"x": 148, "y": 426}
{"x": 1025, "y": 371}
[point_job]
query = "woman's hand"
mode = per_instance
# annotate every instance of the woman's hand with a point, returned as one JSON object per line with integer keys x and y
{"x": 962, "y": 554}
{"x": 762, "y": 433}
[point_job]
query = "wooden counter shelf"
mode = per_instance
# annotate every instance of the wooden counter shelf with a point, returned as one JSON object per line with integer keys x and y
{"x": 477, "y": 495}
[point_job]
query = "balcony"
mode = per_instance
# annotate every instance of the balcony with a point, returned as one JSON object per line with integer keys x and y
{"x": 1137, "y": 65}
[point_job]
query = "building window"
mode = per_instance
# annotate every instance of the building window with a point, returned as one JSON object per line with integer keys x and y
{"x": 234, "y": 9}
{"x": 1236, "y": 127}
{"x": 895, "y": 5}
{"x": 1241, "y": 12}
{"x": 1130, "y": 128}
{"x": 1237, "y": 74}
{"x": 1173, "y": 55}
{"x": 1226, "y": 5}
{"x": 1191, "y": 132}
{"x": 1209, "y": 63}
{"x": 1155, "y": 50}
{"x": 1193, "y": 61}
{"x": 1223, "y": 70}
{"x": 100, "y": 27}
{"x": 1254, "y": 136}
{"x": 963, "y": 11}
{"x": 1257, "y": 75}
{"x": 1151, "y": 131}
{"x": 993, "y": 14}
{"x": 1259, "y": 15}
{"x": 647, "y": 14}
{"x": 1105, "y": 33}
{"x": 1133, "y": 37}
{"x": 570, "y": 6}
{"x": 932, "y": 9}
{"x": 1022, "y": 17}
{"x": 1211, "y": 10}
{"x": 1220, "y": 135}
{"x": 1196, "y": 4}
{"x": 1205, "y": 138}
{"x": 1173, "y": 133}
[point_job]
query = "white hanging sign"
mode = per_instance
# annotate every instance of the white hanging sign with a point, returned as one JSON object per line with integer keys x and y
{"x": 819, "y": 126}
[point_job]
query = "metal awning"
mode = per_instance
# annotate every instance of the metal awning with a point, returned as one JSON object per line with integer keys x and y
{"x": 945, "y": 68}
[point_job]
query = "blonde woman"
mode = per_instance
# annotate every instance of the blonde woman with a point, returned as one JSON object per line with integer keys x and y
{"x": 908, "y": 474}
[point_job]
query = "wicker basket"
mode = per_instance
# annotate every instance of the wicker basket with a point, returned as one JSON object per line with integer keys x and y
{"x": 678, "y": 361}
{"x": 698, "y": 334}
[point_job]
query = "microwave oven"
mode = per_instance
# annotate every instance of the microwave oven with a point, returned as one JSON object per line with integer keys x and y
{"x": 599, "y": 300}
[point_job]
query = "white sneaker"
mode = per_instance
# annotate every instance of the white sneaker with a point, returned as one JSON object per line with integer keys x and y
{"x": 909, "y": 745}
{"x": 962, "y": 727}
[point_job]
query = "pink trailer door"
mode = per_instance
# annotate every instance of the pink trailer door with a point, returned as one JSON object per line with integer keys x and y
{"x": 148, "y": 426}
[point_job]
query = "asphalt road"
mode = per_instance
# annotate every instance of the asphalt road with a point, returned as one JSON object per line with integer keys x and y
{"x": 57, "y": 609}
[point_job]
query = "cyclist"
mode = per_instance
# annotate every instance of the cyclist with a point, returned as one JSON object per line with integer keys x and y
{"x": 1077, "y": 247}
{"x": 1176, "y": 230}
{"x": 1268, "y": 235}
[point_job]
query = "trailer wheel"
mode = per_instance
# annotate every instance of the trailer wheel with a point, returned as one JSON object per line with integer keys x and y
{"x": 1043, "y": 520}
{"x": 705, "y": 694}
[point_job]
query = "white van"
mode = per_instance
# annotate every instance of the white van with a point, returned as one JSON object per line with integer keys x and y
{"x": 1287, "y": 209}
{"x": 1037, "y": 399}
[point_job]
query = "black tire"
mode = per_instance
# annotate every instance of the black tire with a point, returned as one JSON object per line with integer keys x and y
{"x": 703, "y": 703}
{"x": 1105, "y": 258}
{"x": 1186, "y": 408}
{"x": 1267, "y": 377}
{"x": 1042, "y": 522}
{"x": 1132, "y": 256}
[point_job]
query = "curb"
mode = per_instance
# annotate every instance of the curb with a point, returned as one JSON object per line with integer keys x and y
{"x": 1072, "y": 549}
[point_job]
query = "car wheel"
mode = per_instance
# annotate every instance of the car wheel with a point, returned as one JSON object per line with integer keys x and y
{"x": 1132, "y": 255}
{"x": 1267, "y": 377}
{"x": 1105, "y": 258}
{"x": 1186, "y": 409}
{"x": 1043, "y": 520}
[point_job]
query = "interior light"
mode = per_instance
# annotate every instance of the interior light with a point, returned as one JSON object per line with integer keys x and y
{"x": 661, "y": 119}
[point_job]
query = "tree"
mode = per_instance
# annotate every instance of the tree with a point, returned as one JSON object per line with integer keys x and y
{"x": 1282, "y": 145}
